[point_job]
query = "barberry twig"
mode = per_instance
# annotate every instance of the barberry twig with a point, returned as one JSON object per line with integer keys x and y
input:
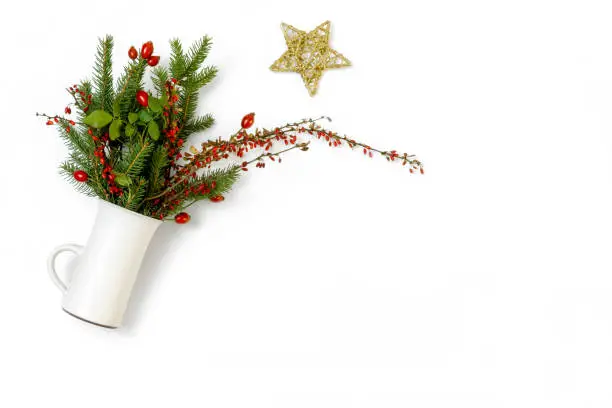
{"x": 261, "y": 157}
{"x": 58, "y": 117}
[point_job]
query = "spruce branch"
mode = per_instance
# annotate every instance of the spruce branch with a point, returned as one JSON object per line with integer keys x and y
{"x": 196, "y": 125}
{"x": 159, "y": 160}
{"x": 128, "y": 84}
{"x": 135, "y": 160}
{"x": 135, "y": 194}
{"x": 178, "y": 62}
{"x": 67, "y": 170}
{"x": 197, "y": 54}
{"x": 159, "y": 79}
{"x": 103, "y": 75}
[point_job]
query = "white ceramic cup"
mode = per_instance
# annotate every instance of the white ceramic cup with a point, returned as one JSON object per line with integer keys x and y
{"x": 106, "y": 267}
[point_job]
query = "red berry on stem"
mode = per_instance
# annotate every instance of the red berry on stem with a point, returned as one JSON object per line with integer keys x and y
{"x": 182, "y": 218}
{"x": 142, "y": 98}
{"x": 153, "y": 60}
{"x": 147, "y": 50}
{"x": 68, "y": 110}
{"x": 217, "y": 199}
{"x": 248, "y": 121}
{"x": 50, "y": 122}
{"x": 132, "y": 53}
{"x": 80, "y": 176}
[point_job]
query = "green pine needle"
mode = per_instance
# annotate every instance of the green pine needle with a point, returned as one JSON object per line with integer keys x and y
{"x": 135, "y": 159}
{"x": 197, "y": 124}
{"x": 103, "y": 75}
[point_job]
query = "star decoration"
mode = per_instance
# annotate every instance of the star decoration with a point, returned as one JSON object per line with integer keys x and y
{"x": 309, "y": 54}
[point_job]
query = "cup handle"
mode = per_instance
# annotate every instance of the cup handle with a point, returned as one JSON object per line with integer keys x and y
{"x": 75, "y": 249}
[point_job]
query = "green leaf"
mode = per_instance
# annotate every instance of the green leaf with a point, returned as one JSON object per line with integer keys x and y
{"x": 163, "y": 100}
{"x": 123, "y": 180}
{"x": 129, "y": 130}
{"x": 153, "y": 130}
{"x": 132, "y": 117}
{"x": 145, "y": 116}
{"x": 115, "y": 129}
{"x": 116, "y": 109}
{"x": 98, "y": 119}
{"x": 155, "y": 105}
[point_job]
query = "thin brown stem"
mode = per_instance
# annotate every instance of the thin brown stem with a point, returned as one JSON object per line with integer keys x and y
{"x": 276, "y": 154}
{"x": 44, "y": 115}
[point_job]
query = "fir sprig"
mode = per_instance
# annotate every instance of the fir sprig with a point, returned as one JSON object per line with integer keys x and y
{"x": 135, "y": 158}
{"x": 128, "y": 84}
{"x": 103, "y": 75}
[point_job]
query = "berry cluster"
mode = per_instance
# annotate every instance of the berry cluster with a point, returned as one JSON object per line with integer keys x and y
{"x": 173, "y": 143}
{"x": 175, "y": 196}
{"x": 102, "y": 143}
{"x": 146, "y": 53}
{"x": 82, "y": 99}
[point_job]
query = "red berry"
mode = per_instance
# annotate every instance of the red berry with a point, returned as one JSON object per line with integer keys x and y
{"x": 217, "y": 199}
{"x": 68, "y": 110}
{"x": 147, "y": 50}
{"x": 153, "y": 60}
{"x": 248, "y": 121}
{"x": 182, "y": 218}
{"x": 132, "y": 53}
{"x": 80, "y": 176}
{"x": 50, "y": 122}
{"x": 142, "y": 98}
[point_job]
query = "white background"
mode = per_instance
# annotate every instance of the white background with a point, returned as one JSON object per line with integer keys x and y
{"x": 333, "y": 280}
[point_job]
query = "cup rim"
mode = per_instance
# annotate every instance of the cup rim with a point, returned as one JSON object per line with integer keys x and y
{"x": 133, "y": 213}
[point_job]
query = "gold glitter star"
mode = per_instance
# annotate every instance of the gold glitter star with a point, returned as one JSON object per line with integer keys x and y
{"x": 309, "y": 54}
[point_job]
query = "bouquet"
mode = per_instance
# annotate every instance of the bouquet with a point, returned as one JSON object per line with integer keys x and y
{"x": 130, "y": 146}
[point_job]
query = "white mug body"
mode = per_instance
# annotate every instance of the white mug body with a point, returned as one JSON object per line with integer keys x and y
{"x": 107, "y": 267}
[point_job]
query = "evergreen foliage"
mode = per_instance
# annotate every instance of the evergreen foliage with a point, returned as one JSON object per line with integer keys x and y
{"x": 159, "y": 78}
{"x": 197, "y": 124}
{"x": 132, "y": 160}
{"x": 159, "y": 162}
{"x": 128, "y": 84}
{"x": 103, "y": 75}
{"x": 224, "y": 179}
{"x": 67, "y": 170}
